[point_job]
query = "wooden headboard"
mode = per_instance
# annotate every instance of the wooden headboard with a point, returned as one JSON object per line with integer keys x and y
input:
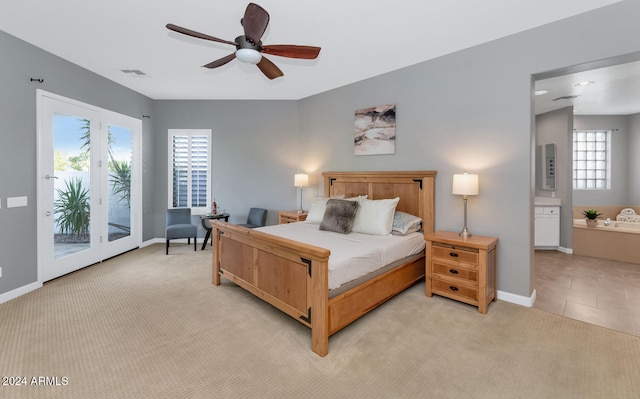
{"x": 416, "y": 190}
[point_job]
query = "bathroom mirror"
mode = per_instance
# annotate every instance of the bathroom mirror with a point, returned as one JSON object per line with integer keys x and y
{"x": 548, "y": 166}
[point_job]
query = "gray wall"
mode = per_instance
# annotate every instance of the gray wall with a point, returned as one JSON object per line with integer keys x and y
{"x": 471, "y": 110}
{"x": 18, "y": 63}
{"x": 254, "y": 153}
{"x": 634, "y": 159}
{"x": 619, "y": 194}
{"x": 557, "y": 127}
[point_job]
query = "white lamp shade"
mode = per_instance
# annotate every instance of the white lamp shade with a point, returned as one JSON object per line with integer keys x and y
{"x": 250, "y": 56}
{"x": 465, "y": 184}
{"x": 301, "y": 180}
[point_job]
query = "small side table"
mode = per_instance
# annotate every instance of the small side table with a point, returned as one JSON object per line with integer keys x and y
{"x": 210, "y": 216}
{"x": 291, "y": 216}
{"x": 464, "y": 269}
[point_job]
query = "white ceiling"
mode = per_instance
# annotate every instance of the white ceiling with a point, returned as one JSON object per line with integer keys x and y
{"x": 359, "y": 39}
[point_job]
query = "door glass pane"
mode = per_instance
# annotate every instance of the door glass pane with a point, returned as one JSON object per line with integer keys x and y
{"x": 120, "y": 154}
{"x": 72, "y": 179}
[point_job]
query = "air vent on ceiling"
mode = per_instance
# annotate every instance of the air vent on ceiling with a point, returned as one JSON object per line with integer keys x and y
{"x": 134, "y": 71}
{"x": 565, "y": 98}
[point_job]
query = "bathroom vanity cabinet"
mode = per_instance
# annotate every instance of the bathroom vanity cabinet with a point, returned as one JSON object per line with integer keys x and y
{"x": 547, "y": 226}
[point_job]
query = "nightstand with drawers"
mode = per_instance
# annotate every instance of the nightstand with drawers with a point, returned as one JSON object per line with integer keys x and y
{"x": 460, "y": 268}
{"x": 291, "y": 216}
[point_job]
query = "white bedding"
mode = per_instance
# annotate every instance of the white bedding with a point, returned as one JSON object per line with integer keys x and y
{"x": 352, "y": 255}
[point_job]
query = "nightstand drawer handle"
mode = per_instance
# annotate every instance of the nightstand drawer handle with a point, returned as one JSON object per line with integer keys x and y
{"x": 453, "y": 271}
{"x": 455, "y": 255}
{"x": 453, "y": 288}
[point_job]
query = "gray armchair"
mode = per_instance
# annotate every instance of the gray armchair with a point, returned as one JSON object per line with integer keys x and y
{"x": 257, "y": 218}
{"x": 179, "y": 226}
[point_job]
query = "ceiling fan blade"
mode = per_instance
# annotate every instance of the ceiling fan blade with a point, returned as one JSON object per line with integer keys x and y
{"x": 198, "y": 35}
{"x": 269, "y": 69}
{"x": 221, "y": 61}
{"x": 255, "y": 22}
{"x": 291, "y": 51}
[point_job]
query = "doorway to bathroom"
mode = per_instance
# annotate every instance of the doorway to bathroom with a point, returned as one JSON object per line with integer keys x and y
{"x": 580, "y": 287}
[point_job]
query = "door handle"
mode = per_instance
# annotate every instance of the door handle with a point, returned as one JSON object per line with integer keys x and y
{"x": 49, "y": 177}
{"x": 47, "y": 213}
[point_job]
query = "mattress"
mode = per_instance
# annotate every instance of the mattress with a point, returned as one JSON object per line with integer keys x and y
{"x": 352, "y": 255}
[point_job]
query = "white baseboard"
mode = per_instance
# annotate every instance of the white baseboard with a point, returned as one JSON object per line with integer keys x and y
{"x": 154, "y": 241}
{"x": 559, "y": 249}
{"x": 13, "y": 294}
{"x": 518, "y": 299}
{"x": 564, "y": 250}
{"x": 163, "y": 241}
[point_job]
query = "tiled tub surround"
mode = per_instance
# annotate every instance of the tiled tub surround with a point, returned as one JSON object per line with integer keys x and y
{"x": 618, "y": 241}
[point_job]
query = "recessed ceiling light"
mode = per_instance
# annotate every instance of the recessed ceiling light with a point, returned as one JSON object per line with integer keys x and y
{"x": 541, "y": 92}
{"x": 586, "y": 83}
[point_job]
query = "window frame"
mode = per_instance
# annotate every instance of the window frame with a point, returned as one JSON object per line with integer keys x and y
{"x": 190, "y": 133}
{"x": 607, "y": 161}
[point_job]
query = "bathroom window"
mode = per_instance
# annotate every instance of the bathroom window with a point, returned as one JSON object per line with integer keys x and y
{"x": 591, "y": 159}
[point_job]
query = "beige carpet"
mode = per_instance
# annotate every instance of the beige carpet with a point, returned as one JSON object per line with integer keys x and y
{"x": 146, "y": 325}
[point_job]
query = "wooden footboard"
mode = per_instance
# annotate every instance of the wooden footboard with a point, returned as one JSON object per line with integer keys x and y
{"x": 293, "y": 276}
{"x": 289, "y": 275}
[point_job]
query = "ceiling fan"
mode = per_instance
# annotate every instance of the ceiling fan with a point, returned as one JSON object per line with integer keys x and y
{"x": 249, "y": 48}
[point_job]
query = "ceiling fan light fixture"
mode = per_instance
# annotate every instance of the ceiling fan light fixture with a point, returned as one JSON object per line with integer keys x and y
{"x": 248, "y": 55}
{"x": 249, "y": 46}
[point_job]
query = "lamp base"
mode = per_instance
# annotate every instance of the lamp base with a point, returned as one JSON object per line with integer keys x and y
{"x": 300, "y": 209}
{"x": 465, "y": 233}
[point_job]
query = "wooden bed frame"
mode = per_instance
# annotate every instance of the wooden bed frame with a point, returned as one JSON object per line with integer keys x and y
{"x": 293, "y": 276}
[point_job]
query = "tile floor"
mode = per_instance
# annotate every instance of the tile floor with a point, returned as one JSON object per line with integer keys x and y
{"x": 596, "y": 291}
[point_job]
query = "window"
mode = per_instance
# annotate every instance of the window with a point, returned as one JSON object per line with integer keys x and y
{"x": 189, "y": 169}
{"x": 591, "y": 159}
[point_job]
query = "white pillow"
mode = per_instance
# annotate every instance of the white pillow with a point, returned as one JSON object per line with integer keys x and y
{"x": 404, "y": 223}
{"x": 375, "y": 216}
{"x": 316, "y": 211}
{"x": 319, "y": 205}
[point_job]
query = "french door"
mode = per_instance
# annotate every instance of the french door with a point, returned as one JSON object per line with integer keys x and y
{"x": 89, "y": 191}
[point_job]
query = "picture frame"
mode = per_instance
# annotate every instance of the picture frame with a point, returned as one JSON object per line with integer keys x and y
{"x": 375, "y": 130}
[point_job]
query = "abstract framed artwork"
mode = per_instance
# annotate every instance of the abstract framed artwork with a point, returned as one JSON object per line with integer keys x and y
{"x": 375, "y": 130}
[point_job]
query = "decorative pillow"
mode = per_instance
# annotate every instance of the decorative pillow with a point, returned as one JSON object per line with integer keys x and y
{"x": 316, "y": 211}
{"x": 339, "y": 215}
{"x": 404, "y": 223}
{"x": 375, "y": 216}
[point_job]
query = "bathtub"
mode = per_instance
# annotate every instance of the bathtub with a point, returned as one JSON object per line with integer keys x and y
{"x": 618, "y": 241}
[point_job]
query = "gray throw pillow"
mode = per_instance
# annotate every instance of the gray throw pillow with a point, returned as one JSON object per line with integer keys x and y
{"x": 339, "y": 216}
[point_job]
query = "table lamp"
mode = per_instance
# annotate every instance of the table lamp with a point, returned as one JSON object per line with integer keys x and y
{"x": 300, "y": 180}
{"x": 465, "y": 184}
